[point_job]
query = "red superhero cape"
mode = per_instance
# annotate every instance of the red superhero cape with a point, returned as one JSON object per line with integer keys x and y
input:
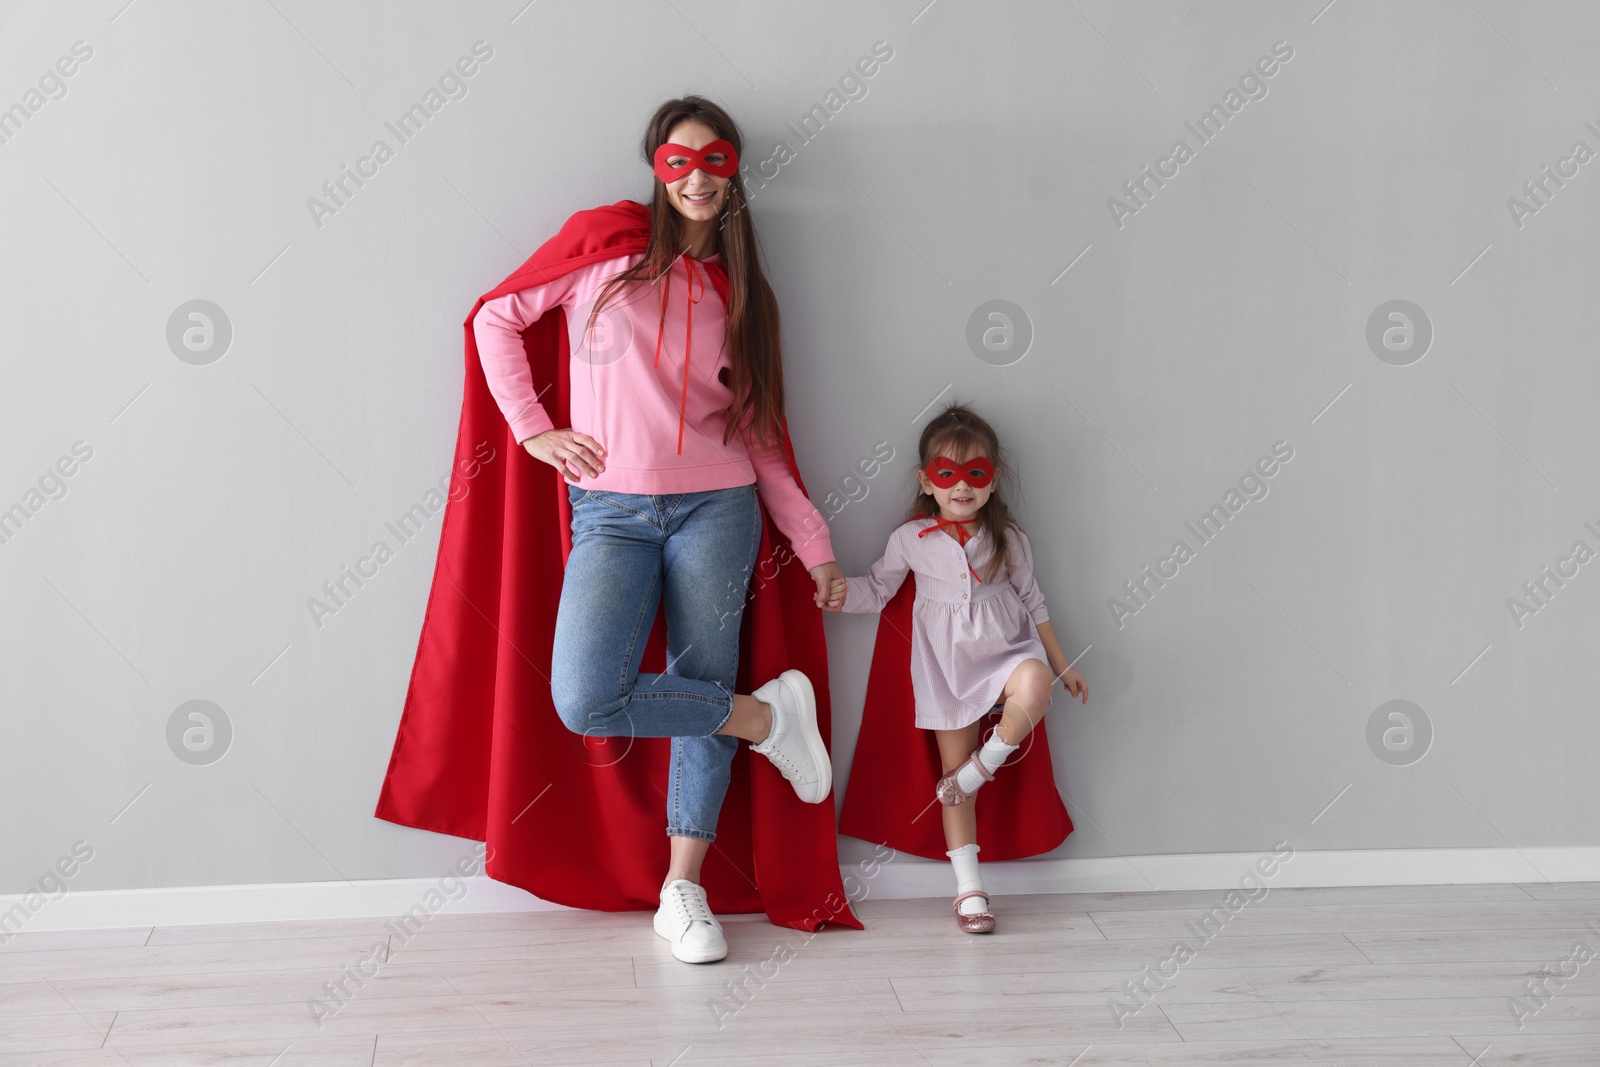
{"x": 480, "y": 752}
{"x": 890, "y": 797}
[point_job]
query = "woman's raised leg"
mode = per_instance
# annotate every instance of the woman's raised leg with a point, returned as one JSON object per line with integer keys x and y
{"x": 610, "y": 594}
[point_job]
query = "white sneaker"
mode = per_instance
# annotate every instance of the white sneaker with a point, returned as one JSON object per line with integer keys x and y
{"x": 795, "y": 744}
{"x": 685, "y": 919}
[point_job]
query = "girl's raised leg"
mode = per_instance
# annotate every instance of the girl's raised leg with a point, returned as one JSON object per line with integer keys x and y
{"x": 1027, "y": 698}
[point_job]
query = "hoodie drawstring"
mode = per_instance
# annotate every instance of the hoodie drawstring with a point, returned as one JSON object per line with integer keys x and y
{"x": 688, "y": 335}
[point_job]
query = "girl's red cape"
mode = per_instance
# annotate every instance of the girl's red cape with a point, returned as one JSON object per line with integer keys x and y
{"x": 890, "y": 797}
{"x": 480, "y": 752}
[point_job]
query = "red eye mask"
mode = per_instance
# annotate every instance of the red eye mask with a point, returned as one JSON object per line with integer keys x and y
{"x": 945, "y": 472}
{"x": 696, "y": 158}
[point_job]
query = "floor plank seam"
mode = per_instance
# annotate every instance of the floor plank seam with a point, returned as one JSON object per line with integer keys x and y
{"x": 890, "y": 1021}
{"x": 1355, "y": 946}
{"x": 1171, "y": 1025}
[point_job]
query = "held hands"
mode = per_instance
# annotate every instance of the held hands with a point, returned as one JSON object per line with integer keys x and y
{"x": 836, "y": 594}
{"x": 567, "y": 450}
{"x": 830, "y": 585}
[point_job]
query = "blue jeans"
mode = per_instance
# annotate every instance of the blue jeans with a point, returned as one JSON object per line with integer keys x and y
{"x": 629, "y": 550}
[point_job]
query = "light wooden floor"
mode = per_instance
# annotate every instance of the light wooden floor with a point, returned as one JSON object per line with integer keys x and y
{"x": 1386, "y": 975}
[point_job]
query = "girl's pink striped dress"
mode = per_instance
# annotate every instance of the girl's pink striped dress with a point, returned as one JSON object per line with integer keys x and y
{"x": 967, "y": 635}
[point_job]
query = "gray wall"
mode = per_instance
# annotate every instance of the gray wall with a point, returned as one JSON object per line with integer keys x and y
{"x": 1228, "y": 313}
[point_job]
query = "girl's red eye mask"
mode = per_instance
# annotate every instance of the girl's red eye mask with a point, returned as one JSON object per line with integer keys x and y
{"x": 696, "y": 157}
{"x": 945, "y": 472}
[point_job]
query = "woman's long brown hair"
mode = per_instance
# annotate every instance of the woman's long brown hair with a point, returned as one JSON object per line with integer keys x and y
{"x": 752, "y": 309}
{"x": 959, "y": 431}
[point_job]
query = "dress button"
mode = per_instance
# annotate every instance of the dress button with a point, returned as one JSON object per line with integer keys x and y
{"x": 963, "y": 596}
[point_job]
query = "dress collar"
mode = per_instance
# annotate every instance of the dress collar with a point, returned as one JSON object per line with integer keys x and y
{"x": 962, "y": 536}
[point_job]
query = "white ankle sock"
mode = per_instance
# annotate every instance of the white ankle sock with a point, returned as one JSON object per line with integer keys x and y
{"x": 994, "y": 752}
{"x": 991, "y": 755}
{"x": 965, "y": 861}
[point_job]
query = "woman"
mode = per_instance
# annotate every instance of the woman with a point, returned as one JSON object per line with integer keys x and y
{"x": 675, "y": 402}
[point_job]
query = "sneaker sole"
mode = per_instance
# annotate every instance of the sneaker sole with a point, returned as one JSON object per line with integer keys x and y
{"x": 684, "y": 954}
{"x": 806, "y": 699}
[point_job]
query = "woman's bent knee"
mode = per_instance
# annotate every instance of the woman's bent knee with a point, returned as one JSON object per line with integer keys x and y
{"x": 586, "y": 714}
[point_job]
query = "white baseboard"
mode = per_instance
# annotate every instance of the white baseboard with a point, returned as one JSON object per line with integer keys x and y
{"x": 904, "y": 877}
{"x": 84, "y": 909}
{"x": 897, "y": 877}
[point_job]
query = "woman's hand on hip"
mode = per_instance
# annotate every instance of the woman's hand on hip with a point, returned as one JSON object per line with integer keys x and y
{"x": 830, "y": 585}
{"x": 567, "y": 451}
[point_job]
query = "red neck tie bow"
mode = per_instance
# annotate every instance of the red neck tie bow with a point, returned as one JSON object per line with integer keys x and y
{"x": 962, "y": 536}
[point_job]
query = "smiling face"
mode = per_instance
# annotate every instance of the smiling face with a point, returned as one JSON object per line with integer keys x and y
{"x": 699, "y": 196}
{"x": 961, "y": 500}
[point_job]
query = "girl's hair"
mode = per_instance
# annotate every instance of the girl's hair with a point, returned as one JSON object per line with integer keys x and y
{"x": 959, "y": 431}
{"x": 752, "y": 311}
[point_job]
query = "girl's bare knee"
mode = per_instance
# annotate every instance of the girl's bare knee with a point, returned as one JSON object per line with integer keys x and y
{"x": 1039, "y": 683}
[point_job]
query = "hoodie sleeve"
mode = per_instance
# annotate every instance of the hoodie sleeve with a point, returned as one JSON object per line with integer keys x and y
{"x": 796, "y": 517}
{"x": 498, "y": 329}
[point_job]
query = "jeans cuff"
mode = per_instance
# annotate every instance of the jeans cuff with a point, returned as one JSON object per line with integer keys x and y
{"x": 684, "y": 831}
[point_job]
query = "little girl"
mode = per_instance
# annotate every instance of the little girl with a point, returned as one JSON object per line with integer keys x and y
{"x": 980, "y": 632}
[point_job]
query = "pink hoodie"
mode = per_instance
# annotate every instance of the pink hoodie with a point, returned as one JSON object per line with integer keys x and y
{"x": 659, "y": 414}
